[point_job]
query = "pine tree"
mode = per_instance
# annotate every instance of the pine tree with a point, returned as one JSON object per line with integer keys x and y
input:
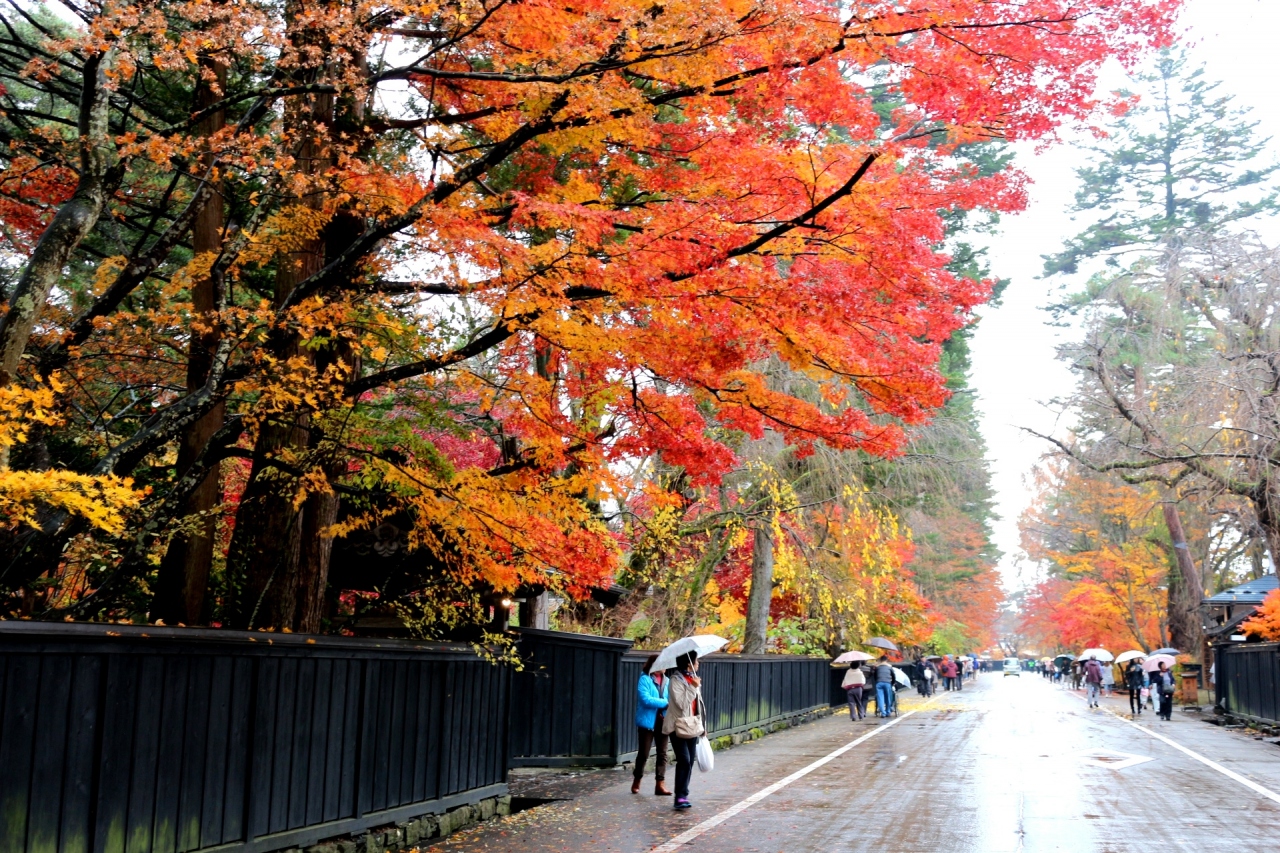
{"x": 1184, "y": 156}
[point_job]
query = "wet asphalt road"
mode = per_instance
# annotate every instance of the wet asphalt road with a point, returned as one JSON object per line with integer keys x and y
{"x": 1010, "y": 765}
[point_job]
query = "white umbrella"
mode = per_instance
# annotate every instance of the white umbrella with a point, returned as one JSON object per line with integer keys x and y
{"x": 1125, "y": 657}
{"x": 1152, "y": 663}
{"x": 703, "y": 644}
{"x": 852, "y": 657}
{"x": 900, "y": 677}
{"x": 1100, "y": 654}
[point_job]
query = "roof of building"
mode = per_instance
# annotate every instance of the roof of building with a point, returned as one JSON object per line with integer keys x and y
{"x": 1249, "y": 592}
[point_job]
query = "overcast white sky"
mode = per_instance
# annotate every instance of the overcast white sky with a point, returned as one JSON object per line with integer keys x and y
{"x": 1014, "y": 369}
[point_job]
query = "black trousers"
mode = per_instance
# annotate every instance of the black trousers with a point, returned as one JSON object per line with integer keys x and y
{"x": 648, "y": 738}
{"x": 1166, "y": 705}
{"x": 1135, "y": 700}
{"x": 686, "y": 755}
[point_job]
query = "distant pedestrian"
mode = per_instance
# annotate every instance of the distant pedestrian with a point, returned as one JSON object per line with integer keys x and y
{"x": 1108, "y": 680}
{"x": 651, "y": 701}
{"x": 884, "y": 686}
{"x": 685, "y": 721}
{"x": 1133, "y": 682}
{"x": 949, "y": 673}
{"x": 855, "y": 680}
{"x": 1092, "y": 681}
{"x": 1164, "y": 686}
{"x": 929, "y": 677}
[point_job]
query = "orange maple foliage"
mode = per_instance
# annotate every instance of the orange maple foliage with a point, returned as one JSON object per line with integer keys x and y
{"x": 572, "y": 228}
{"x": 1108, "y": 572}
{"x": 1264, "y": 624}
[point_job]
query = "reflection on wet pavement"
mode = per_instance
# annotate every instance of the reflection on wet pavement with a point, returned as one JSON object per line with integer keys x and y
{"x": 1012, "y": 766}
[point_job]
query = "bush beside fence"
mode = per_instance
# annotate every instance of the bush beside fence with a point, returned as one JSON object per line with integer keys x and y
{"x": 116, "y": 739}
{"x": 1247, "y": 680}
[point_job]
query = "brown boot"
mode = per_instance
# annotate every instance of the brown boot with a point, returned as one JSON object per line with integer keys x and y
{"x": 635, "y": 787}
{"x": 660, "y": 789}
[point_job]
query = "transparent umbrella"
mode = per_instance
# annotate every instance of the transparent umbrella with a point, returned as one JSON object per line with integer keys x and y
{"x": 703, "y": 644}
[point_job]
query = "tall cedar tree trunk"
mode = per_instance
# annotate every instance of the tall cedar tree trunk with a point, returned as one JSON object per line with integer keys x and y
{"x": 320, "y": 510}
{"x": 184, "y": 572}
{"x": 1185, "y": 589}
{"x": 753, "y": 643}
{"x": 262, "y": 563}
{"x": 280, "y": 555}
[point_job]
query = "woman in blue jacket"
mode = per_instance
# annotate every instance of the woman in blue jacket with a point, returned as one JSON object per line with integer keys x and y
{"x": 651, "y": 701}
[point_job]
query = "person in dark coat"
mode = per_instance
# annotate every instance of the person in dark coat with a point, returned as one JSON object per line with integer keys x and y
{"x": 884, "y": 687}
{"x": 1133, "y": 682}
{"x": 929, "y": 678}
{"x": 1092, "y": 681}
{"x": 1164, "y": 686}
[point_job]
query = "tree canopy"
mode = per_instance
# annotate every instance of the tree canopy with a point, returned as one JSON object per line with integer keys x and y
{"x": 284, "y": 274}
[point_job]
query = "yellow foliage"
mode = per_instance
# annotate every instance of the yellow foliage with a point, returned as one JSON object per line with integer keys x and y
{"x": 291, "y": 230}
{"x": 98, "y": 500}
{"x": 21, "y": 408}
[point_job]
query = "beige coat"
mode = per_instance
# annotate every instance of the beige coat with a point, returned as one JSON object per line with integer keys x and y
{"x": 854, "y": 678}
{"x": 680, "y": 702}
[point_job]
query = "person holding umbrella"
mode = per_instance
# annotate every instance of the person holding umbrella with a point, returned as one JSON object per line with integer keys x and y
{"x": 1133, "y": 681}
{"x": 651, "y": 701}
{"x": 1092, "y": 680}
{"x": 685, "y": 721}
{"x": 884, "y": 686}
{"x": 1164, "y": 684}
{"x": 928, "y": 676}
{"x": 854, "y": 682}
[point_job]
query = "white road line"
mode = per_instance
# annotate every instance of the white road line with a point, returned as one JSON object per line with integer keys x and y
{"x": 739, "y": 807}
{"x": 1230, "y": 774}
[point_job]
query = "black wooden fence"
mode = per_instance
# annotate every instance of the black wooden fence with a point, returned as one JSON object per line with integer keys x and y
{"x": 118, "y": 739}
{"x": 1247, "y": 680}
{"x": 151, "y": 740}
{"x": 565, "y": 703}
{"x": 575, "y": 703}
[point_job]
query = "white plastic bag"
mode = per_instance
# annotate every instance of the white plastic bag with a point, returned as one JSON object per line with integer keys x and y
{"x": 706, "y": 758}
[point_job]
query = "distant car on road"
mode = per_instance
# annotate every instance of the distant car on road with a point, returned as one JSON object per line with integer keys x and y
{"x": 1011, "y": 668}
